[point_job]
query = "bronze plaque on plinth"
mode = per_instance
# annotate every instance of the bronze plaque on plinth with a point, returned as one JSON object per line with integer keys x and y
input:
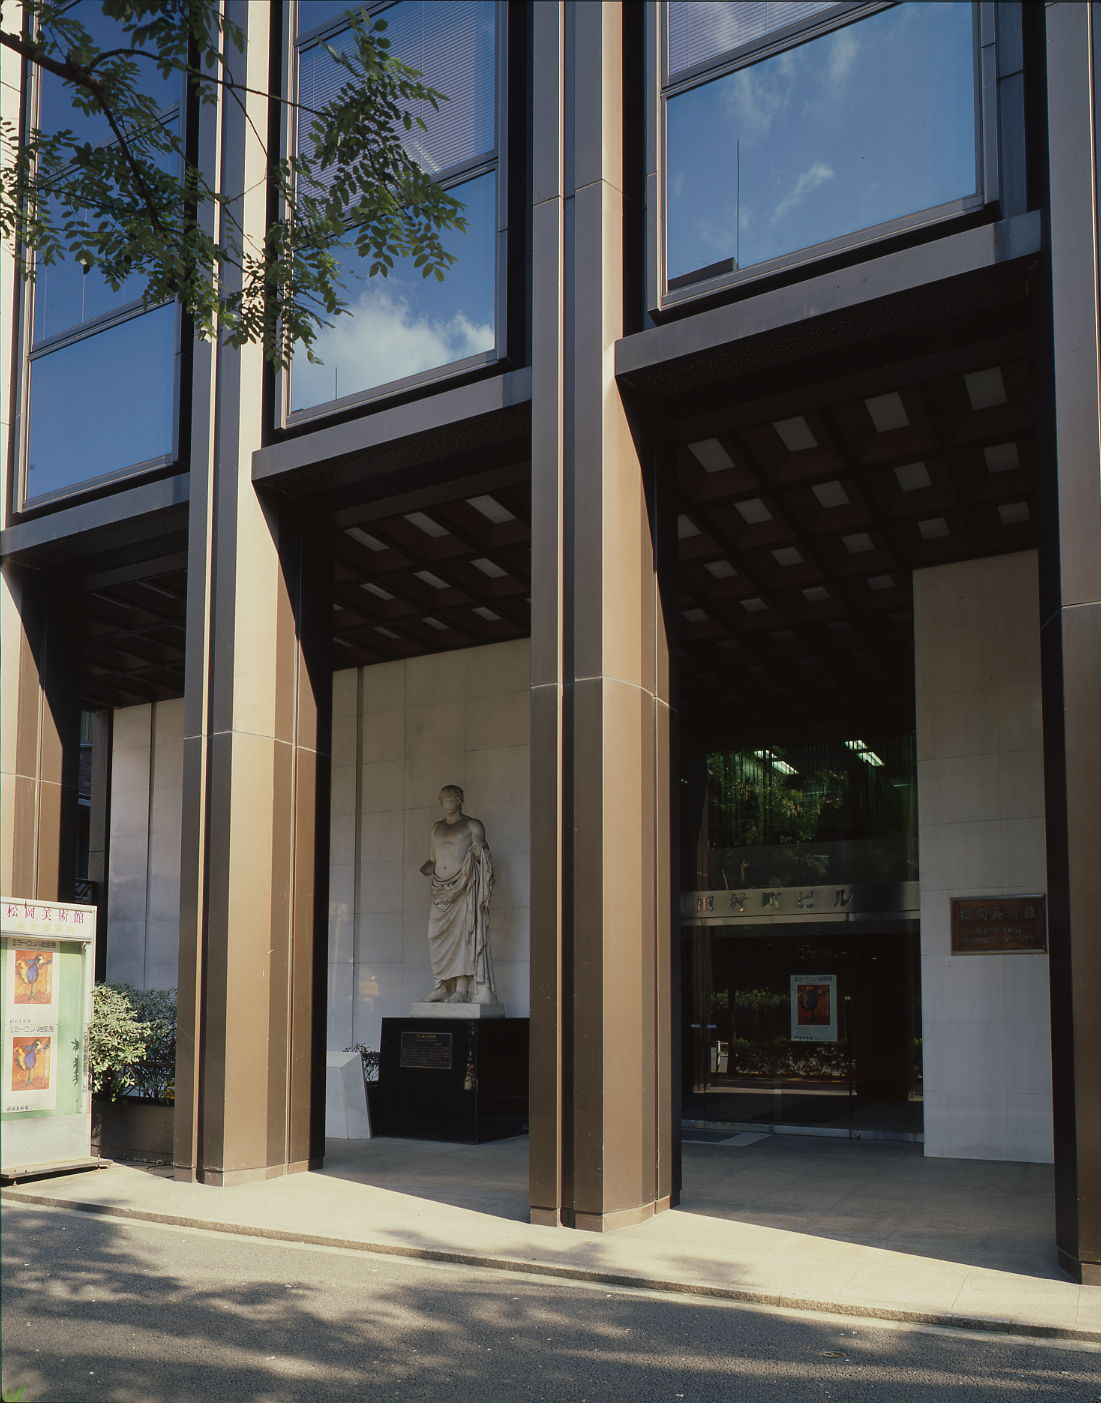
{"x": 993, "y": 925}
{"x": 428, "y": 1050}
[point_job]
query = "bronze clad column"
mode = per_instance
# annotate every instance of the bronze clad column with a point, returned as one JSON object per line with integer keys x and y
{"x": 254, "y": 872}
{"x": 1069, "y": 471}
{"x": 40, "y": 643}
{"x": 601, "y": 1151}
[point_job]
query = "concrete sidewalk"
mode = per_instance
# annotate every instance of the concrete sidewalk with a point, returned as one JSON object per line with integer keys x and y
{"x": 840, "y": 1226}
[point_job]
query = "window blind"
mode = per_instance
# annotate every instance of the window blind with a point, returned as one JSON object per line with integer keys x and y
{"x": 702, "y": 29}
{"x": 453, "y": 46}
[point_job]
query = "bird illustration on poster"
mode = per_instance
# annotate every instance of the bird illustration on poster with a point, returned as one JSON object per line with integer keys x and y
{"x": 32, "y": 1057}
{"x": 30, "y": 968}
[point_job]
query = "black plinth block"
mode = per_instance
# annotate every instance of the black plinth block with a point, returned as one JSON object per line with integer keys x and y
{"x": 455, "y": 1079}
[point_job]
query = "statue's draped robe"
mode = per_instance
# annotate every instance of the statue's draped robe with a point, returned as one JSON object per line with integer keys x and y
{"x": 458, "y": 923}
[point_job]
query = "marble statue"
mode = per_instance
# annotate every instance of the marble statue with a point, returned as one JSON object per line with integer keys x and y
{"x": 461, "y": 869}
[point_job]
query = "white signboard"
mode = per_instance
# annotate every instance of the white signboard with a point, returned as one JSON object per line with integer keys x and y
{"x": 34, "y": 1009}
{"x": 47, "y": 920}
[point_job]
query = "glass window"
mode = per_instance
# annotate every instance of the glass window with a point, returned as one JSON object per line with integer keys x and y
{"x": 102, "y": 403}
{"x": 805, "y": 1018}
{"x": 402, "y": 325}
{"x": 101, "y": 368}
{"x": 700, "y": 29}
{"x": 843, "y": 811}
{"x": 65, "y": 298}
{"x": 55, "y": 105}
{"x": 865, "y": 124}
{"x": 405, "y": 324}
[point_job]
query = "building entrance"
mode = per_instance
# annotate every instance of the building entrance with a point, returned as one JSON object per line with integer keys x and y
{"x": 813, "y": 1027}
{"x": 801, "y": 944}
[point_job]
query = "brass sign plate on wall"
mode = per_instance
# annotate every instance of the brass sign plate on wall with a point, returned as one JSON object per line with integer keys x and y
{"x": 429, "y": 1050}
{"x": 992, "y": 925}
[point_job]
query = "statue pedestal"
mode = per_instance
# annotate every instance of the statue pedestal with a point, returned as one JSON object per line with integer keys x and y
{"x": 454, "y": 1077}
{"x": 476, "y": 1011}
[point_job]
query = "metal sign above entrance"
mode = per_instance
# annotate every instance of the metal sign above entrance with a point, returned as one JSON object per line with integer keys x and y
{"x": 828, "y": 902}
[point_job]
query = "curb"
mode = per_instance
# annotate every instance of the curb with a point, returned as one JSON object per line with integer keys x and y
{"x": 634, "y": 1281}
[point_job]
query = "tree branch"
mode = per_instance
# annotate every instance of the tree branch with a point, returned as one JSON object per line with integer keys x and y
{"x": 82, "y": 77}
{"x": 34, "y": 53}
{"x": 135, "y": 169}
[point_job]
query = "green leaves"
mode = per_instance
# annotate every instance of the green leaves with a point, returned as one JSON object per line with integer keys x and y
{"x": 133, "y": 205}
{"x": 132, "y": 1041}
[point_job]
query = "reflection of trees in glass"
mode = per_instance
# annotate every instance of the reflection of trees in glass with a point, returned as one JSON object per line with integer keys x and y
{"x": 838, "y": 791}
{"x": 758, "y": 801}
{"x": 790, "y": 816}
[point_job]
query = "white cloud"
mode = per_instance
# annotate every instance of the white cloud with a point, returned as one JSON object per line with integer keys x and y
{"x": 383, "y": 339}
{"x": 754, "y": 99}
{"x": 843, "y": 51}
{"x": 808, "y": 181}
{"x": 832, "y": 87}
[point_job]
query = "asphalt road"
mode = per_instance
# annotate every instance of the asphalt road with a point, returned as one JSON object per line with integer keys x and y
{"x": 96, "y": 1308}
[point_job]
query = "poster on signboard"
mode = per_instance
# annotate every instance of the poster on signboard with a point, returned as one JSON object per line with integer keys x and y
{"x": 30, "y": 1080}
{"x": 31, "y": 979}
{"x": 814, "y": 1008}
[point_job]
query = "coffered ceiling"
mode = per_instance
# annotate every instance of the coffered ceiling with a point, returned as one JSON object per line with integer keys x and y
{"x": 802, "y": 518}
{"x": 134, "y": 633}
{"x": 428, "y": 578}
{"x": 453, "y": 574}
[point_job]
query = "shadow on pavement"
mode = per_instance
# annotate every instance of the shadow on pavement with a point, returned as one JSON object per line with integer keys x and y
{"x": 875, "y": 1193}
{"x": 98, "y": 1309}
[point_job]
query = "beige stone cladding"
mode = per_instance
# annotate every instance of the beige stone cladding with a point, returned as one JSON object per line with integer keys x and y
{"x": 143, "y": 893}
{"x": 985, "y": 1018}
{"x": 453, "y": 718}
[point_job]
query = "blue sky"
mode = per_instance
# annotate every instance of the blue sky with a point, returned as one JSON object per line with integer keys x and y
{"x": 872, "y": 121}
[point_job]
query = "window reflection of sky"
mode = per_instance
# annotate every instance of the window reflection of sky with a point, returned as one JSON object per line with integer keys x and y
{"x": 404, "y": 324}
{"x": 868, "y": 123}
{"x": 103, "y": 403}
{"x": 56, "y": 110}
{"x": 65, "y": 296}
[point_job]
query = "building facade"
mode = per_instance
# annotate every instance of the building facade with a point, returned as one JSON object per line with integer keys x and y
{"x": 727, "y": 525}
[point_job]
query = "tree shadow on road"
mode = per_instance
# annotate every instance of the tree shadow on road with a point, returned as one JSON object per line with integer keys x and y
{"x": 95, "y": 1308}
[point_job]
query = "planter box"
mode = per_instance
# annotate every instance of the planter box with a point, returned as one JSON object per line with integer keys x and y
{"x": 133, "y": 1129}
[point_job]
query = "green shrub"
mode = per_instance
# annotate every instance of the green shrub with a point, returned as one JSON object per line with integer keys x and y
{"x": 132, "y": 1041}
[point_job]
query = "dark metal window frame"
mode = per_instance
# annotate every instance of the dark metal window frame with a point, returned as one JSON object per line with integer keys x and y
{"x": 659, "y": 89}
{"x": 30, "y": 351}
{"x": 483, "y": 164}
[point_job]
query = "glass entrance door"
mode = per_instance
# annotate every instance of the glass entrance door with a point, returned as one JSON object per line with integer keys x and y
{"x": 811, "y": 1027}
{"x": 801, "y": 982}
